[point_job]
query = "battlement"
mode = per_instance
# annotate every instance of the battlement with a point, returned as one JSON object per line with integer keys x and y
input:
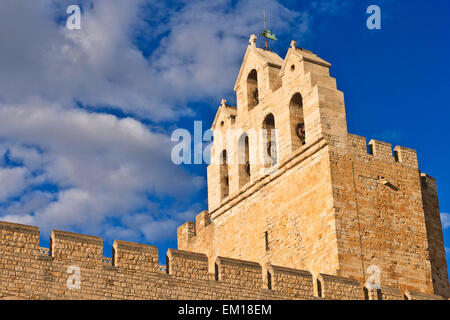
{"x": 202, "y": 220}
{"x": 18, "y": 238}
{"x": 382, "y": 151}
{"x": 31, "y": 272}
{"x": 187, "y": 264}
{"x": 338, "y": 288}
{"x": 134, "y": 256}
{"x": 292, "y": 281}
{"x": 72, "y": 246}
{"x": 239, "y": 272}
{"x": 189, "y": 229}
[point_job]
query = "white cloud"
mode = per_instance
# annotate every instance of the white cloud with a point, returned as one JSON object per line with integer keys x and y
{"x": 29, "y": 203}
{"x": 98, "y": 65}
{"x": 200, "y": 48}
{"x": 445, "y": 219}
{"x": 13, "y": 181}
{"x": 104, "y": 166}
{"x": 103, "y": 174}
{"x": 207, "y": 41}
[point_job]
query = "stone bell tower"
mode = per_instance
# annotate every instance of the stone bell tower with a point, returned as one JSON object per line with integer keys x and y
{"x": 289, "y": 186}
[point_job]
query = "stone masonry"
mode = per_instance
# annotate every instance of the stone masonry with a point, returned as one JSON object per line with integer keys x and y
{"x": 28, "y": 271}
{"x": 333, "y": 204}
{"x": 298, "y": 208}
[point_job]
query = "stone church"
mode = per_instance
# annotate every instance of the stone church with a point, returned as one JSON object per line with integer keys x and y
{"x": 333, "y": 203}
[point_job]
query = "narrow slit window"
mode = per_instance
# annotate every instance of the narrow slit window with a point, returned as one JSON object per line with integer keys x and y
{"x": 224, "y": 178}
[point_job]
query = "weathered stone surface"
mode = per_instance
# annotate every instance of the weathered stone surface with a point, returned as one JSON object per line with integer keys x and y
{"x": 333, "y": 204}
{"x": 310, "y": 223}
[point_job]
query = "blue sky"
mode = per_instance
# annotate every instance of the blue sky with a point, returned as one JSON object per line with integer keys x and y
{"x": 86, "y": 115}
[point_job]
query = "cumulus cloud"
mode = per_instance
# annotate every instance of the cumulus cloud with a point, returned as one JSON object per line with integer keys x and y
{"x": 445, "y": 219}
{"x": 13, "y": 181}
{"x": 98, "y": 65}
{"x": 197, "y": 52}
{"x": 67, "y": 163}
{"x": 207, "y": 40}
{"x": 103, "y": 166}
{"x": 22, "y": 209}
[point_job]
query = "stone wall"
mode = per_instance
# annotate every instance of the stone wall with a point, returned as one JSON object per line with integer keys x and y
{"x": 334, "y": 211}
{"x": 30, "y": 272}
{"x": 333, "y": 205}
{"x": 380, "y": 218}
{"x": 434, "y": 235}
{"x": 284, "y": 219}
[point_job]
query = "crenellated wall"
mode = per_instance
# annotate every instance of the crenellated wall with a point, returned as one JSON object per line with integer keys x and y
{"x": 364, "y": 205}
{"x": 381, "y": 217}
{"x": 30, "y": 272}
{"x": 331, "y": 204}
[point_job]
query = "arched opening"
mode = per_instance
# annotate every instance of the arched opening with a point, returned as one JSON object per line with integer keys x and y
{"x": 244, "y": 159}
{"x": 252, "y": 89}
{"x": 270, "y": 151}
{"x": 224, "y": 179}
{"x": 298, "y": 131}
